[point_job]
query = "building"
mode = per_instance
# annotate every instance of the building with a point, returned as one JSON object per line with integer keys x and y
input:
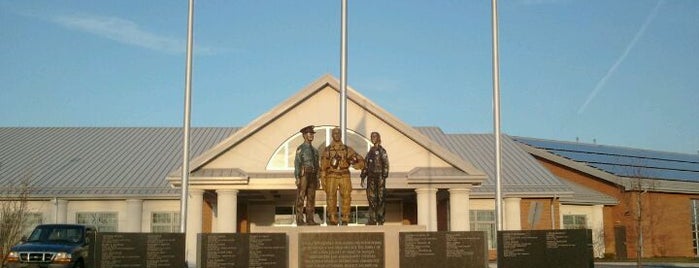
{"x": 128, "y": 179}
{"x": 657, "y": 193}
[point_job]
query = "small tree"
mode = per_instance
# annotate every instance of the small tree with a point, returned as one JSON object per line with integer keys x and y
{"x": 13, "y": 216}
{"x": 638, "y": 187}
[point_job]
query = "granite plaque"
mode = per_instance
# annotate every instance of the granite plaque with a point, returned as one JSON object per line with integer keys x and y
{"x": 443, "y": 249}
{"x": 545, "y": 248}
{"x": 347, "y": 250}
{"x": 259, "y": 250}
{"x": 150, "y": 250}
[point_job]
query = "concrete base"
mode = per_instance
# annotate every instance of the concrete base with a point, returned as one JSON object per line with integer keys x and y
{"x": 391, "y": 237}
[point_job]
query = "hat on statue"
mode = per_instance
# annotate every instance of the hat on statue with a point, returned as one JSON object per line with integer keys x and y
{"x": 308, "y": 129}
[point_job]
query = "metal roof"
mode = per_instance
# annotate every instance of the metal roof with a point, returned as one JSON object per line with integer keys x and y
{"x": 123, "y": 162}
{"x": 92, "y": 162}
{"x": 625, "y": 162}
{"x": 521, "y": 174}
{"x": 585, "y": 195}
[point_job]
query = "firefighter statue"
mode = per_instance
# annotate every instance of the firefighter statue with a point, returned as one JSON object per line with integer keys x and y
{"x": 335, "y": 162}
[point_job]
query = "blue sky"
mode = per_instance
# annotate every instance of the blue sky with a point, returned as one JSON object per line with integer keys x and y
{"x": 622, "y": 72}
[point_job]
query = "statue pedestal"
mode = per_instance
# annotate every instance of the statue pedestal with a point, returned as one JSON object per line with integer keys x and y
{"x": 391, "y": 245}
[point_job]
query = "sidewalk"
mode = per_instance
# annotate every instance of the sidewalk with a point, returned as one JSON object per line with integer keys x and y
{"x": 647, "y": 264}
{"x": 632, "y": 264}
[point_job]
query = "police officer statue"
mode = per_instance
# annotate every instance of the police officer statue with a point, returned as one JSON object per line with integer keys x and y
{"x": 306, "y": 173}
{"x": 375, "y": 172}
{"x": 334, "y": 165}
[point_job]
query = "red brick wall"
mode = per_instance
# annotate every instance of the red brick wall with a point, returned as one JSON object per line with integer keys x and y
{"x": 666, "y": 220}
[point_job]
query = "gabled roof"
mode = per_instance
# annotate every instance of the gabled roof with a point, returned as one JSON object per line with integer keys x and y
{"x": 585, "y": 195}
{"x": 669, "y": 172}
{"x": 124, "y": 162}
{"x": 91, "y": 162}
{"x": 521, "y": 174}
{"x": 352, "y": 95}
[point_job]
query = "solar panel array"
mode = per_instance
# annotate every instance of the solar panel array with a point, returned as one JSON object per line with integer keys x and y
{"x": 623, "y": 161}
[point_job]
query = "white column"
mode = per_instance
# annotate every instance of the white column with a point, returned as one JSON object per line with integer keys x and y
{"x": 513, "y": 214}
{"x": 597, "y": 226}
{"x": 134, "y": 214}
{"x": 459, "y": 209}
{"x": 61, "y": 211}
{"x": 427, "y": 208}
{"x": 227, "y": 211}
{"x": 194, "y": 215}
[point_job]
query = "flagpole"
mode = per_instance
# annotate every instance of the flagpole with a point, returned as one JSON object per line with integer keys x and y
{"x": 343, "y": 81}
{"x": 343, "y": 73}
{"x": 187, "y": 120}
{"x": 496, "y": 118}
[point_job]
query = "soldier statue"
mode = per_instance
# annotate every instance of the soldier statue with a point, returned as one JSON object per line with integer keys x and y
{"x": 306, "y": 173}
{"x": 374, "y": 176}
{"x": 334, "y": 167}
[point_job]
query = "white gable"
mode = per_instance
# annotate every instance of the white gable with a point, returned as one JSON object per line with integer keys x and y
{"x": 251, "y": 148}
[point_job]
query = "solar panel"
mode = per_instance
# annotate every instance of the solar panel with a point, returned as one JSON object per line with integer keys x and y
{"x": 622, "y": 161}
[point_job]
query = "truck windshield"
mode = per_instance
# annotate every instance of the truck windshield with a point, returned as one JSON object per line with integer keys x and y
{"x": 57, "y": 234}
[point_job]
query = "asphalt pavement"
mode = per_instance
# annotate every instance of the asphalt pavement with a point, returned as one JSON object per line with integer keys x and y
{"x": 631, "y": 265}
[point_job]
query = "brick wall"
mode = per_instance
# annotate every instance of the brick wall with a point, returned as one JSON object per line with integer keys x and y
{"x": 666, "y": 217}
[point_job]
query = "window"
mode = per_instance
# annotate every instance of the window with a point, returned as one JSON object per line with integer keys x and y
{"x": 104, "y": 221}
{"x": 359, "y": 214}
{"x": 165, "y": 222}
{"x": 574, "y": 222}
{"x": 32, "y": 220}
{"x": 484, "y": 220}
{"x": 285, "y": 216}
{"x": 283, "y": 157}
{"x": 52, "y": 233}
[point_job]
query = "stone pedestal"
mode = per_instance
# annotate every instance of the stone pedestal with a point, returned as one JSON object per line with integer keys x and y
{"x": 391, "y": 238}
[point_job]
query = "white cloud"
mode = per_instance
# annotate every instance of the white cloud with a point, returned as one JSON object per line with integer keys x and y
{"x": 603, "y": 81}
{"x": 121, "y": 30}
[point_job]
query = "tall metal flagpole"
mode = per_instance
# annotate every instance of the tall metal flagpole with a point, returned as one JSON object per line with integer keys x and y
{"x": 343, "y": 81}
{"x": 187, "y": 119}
{"x": 343, "y": 73}
{"x": 496, "y": 118}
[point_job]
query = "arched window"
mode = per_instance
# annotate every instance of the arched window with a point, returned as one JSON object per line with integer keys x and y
{"x": 283, "y": 157}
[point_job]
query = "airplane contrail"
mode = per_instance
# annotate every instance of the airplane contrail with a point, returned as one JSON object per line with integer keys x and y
{"x": 601, "y": 83}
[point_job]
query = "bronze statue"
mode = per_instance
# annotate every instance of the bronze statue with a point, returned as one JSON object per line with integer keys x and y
{"x": 306, "y": 174}
{"x": 374, "y": 176}
{"x": 334, "y": 165}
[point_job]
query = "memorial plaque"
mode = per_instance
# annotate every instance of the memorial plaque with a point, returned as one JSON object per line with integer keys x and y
{"x": 545, "y": 248}
{"x": 259, "y": 250}
{"x": 149, "y": 250}
{"x": 443, "y": 249}
{"x": 348, "y": 250}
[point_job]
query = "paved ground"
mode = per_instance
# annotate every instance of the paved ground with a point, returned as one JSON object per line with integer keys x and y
{"x": 645, "y": 265}
{"x": 632, "y": 265}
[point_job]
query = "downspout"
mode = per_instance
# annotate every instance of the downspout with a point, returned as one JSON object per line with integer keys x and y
{"x": 553, "y": 212}
{"x": 55, "y": 210}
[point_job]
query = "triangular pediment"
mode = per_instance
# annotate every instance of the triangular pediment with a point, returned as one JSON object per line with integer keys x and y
{"x": 250, "y": 148}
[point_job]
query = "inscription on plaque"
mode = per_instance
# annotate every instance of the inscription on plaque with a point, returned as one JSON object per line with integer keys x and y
{"x": 259, "y": 250}
{"x": 443, "y": 249}
{"x": 151, "y": 250}
{"x": 348, "y": 250}
{"x": 545, "y": 248}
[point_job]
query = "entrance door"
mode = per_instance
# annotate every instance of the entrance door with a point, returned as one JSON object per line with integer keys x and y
{"x": 620, "y": 242}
